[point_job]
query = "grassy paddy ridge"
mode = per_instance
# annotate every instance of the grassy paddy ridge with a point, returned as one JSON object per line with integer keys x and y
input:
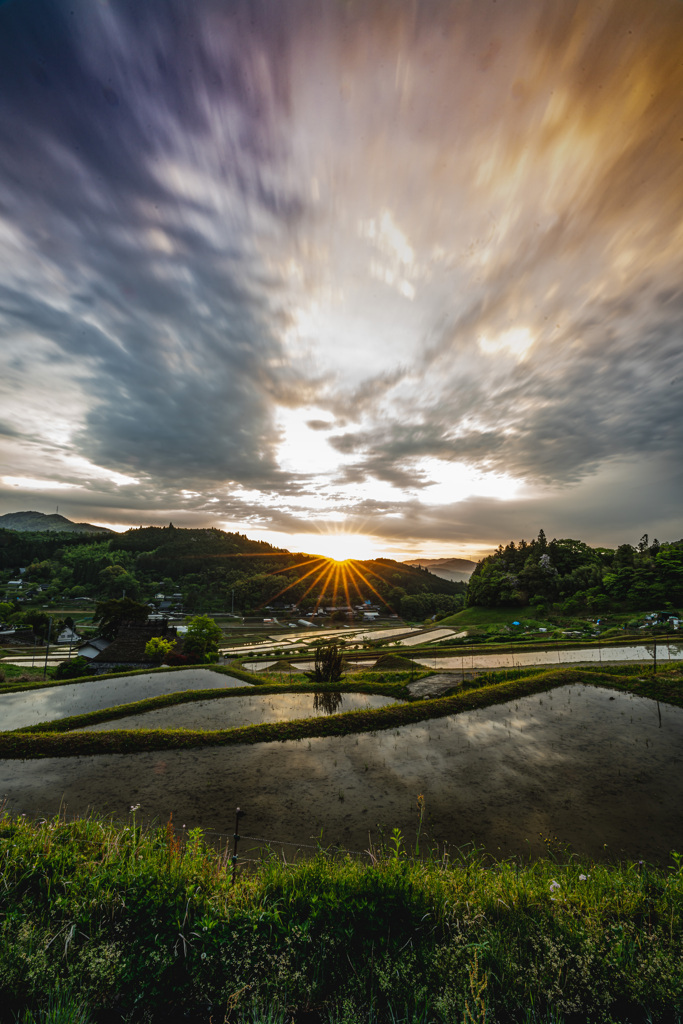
{"x": 135, "y": 926}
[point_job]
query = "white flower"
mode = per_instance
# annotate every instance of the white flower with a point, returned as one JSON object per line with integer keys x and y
{"x": 582, "y": 878}
{"x": 134, "y": 808}
{"x": 554, "y": 885}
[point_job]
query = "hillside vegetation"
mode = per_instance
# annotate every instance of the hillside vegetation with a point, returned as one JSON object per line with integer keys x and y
{"x": 575, "y": 578}
{"x": 209, "y": 569}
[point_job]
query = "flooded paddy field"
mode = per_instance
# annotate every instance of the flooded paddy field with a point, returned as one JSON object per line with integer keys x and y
{"x": 588, "y": 765}
{"x": 29, "y": 707}
{"x": 470, "y": 662}
{"x": 666, "y": 652}
{"x": 252, "y": 710}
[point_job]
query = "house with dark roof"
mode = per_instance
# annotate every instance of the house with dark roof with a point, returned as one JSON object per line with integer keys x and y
{"x": 91, "y": 648}
{"x": 127, "y": 649}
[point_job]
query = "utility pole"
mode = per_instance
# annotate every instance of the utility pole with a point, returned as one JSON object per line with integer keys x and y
{"x": 47, "y": 649}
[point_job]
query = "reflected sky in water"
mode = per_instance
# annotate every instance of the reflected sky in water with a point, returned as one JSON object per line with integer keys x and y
{"x": 30, "y": 707}
{"x": 252, "y": 710}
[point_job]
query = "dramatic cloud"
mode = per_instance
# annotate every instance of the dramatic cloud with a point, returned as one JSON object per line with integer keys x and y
{"x": 410, "y": 269}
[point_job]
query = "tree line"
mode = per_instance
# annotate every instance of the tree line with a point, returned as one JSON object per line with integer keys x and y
{"x": 208, "y": 569}
{"x": 576, "y": 578}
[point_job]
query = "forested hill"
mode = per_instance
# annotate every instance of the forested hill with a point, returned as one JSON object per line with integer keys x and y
{"x": 178, "y": 542}
{"x": 577, "y": 578}
{"x": 208, "y": 569}
{"x": 39, "y": 522}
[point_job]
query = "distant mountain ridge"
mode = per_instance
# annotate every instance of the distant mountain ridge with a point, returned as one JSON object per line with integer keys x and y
{"x": 457, "y": 570}
{"x": 39, "y": 522}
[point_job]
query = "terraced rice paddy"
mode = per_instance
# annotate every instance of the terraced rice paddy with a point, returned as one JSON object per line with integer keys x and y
{"x": 29, "y": 707}
{"x": 588, "y": 765}
{"x": 251, "y": 710}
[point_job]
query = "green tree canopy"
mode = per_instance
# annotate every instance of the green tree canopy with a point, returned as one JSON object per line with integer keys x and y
{"x": 111, "y": 615}
{"x": 202, "y": 638}
{"x": 158, "y": 648}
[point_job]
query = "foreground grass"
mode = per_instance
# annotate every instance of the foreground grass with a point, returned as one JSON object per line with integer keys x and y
{"x": 140, "y": 926}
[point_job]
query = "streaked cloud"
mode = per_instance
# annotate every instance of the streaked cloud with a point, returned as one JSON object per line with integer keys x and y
{"x": 283, "y": 264}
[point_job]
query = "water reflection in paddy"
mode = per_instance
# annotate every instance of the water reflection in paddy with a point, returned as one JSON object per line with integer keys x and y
{"x": 228, "y": 712}
{"x": 29, "y": 707}
{"x": 584, "y": 764}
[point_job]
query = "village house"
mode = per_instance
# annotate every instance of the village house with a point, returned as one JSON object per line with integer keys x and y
{"x": 127, "y": 650}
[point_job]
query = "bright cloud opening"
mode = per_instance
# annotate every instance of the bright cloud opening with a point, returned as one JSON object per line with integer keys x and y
{"x": 515, "y": 342}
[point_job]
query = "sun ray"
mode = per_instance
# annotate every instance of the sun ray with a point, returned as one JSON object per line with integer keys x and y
{"x": 349, "y": 567}
{"x": 371, "y": 572}
{"x": 315, "y": 581}
{"x": 345, "y": 582}
{"x": 337, "y": 576}
{"x": 297, "y": 565}
{"x": 369, "y": 584}
{"x": 324, "y": 586}
{"x": 297, "y": 581}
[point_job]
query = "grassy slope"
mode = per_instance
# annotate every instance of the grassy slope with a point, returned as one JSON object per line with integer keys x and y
{"x": 482, "y": 617}
{"x": 146, "y": 927}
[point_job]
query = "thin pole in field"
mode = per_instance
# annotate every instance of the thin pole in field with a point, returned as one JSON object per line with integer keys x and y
{"x": 47, "y": 649}
{"x": 235, "y": 840}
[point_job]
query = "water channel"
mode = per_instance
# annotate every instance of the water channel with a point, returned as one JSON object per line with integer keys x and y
{"x": 552, "y": 656}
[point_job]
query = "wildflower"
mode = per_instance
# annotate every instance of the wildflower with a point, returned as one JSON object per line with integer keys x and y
{"x": 554, "y": 885}
{"x": 582, "y": 878}
{"x": 134, "y": 808}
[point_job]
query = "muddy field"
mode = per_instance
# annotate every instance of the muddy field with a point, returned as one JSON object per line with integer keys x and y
{"x": 587, "y": 765}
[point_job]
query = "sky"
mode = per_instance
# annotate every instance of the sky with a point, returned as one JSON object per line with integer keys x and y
{"x": 356, "y": 277}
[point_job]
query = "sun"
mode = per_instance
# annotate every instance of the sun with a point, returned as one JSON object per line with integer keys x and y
{"x": 342, "y": 546}
{"x": 334, "y": 568}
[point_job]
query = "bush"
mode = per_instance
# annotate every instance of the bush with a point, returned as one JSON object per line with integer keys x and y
{"x": 175, "y": 658}
{"x": 72, "y": 669}
{"x": 158, "y": 648}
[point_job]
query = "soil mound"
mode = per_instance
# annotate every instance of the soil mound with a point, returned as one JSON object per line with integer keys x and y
{"x": 394, "y": 661}
{"x": 281, "y": 666}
